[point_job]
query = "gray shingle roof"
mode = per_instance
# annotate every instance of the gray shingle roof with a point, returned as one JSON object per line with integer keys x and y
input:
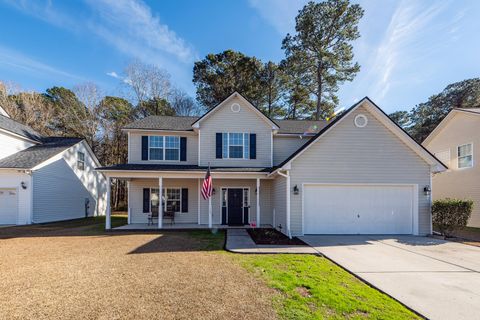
{"x": 179, "y": 167}
{"x": 163, "y": 123}
{"x": 30, "y": 157}
{"x": 13, "y": 126}
{"x": 185, "y": 124}
{"x": 301, "y": 126}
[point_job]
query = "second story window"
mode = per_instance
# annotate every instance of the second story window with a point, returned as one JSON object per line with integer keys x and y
{"x": 465, "y": 156}
{"x": 164, "y": 148}
{"x": 235, "y": 145}
{"x": 81, "y": 160}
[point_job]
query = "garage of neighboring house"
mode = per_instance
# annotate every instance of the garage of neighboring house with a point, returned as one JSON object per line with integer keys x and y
{"x": 8, "y": 206}
{"x": 370, "y": 208}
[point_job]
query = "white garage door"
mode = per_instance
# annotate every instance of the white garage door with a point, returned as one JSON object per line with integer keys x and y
{"x": 358, "y": 209}
{"x": 8, "y": 206}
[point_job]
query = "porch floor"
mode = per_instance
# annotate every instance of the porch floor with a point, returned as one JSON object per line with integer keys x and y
{"x": 166, "y": 226}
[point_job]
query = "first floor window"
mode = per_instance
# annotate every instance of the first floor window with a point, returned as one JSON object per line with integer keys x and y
{"x": 171, "y": 199}
{"x": 81, "y": 160}
{"x": 164, "y": 148}
{"x": 465, "y": 156}
{"x": 235, "y": 145}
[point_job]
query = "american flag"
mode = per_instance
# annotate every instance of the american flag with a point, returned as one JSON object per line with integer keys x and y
{"x": 207, "y": 187}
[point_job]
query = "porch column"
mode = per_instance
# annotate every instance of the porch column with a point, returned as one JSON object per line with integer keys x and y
{"x": 198, "y": 200}
{"x": 258, "y": 202}
{"x": 160, "y": 202}
{"x": 129, "y": 214}
{"x": 108, "y": 222}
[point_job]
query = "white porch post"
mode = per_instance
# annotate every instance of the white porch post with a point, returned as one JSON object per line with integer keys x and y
{"x": 210, "y": 212}
{"x": 129, "y": 214}
{"x": 198, "y": 200}
{"x": 258, "y": 202}
{"x": 160, "y": 202}
{"x": 288, "y": 205}
{"x": 108, "y": 222}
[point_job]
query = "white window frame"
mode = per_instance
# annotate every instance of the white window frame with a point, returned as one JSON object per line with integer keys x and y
{"x": 464, "y": 156}
{"x": 164, "y": 190}
{"x": 164, "y": 148}
{"x": 80, "y": 161}
{"x": 245, "y": 147}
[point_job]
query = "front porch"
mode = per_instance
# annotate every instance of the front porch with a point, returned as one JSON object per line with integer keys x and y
{"x": 238, "y": 201}
{"x": 181, "y": 226}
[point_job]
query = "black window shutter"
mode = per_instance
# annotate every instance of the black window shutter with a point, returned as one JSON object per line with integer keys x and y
{"x": 144, "y": 147}
{"x": 184, "y": 200}
{"x": 146, "y": 200}
{"x": 253, "y": 146}
{"x": 183, "y": 148}
{"x": 218, "y": 149}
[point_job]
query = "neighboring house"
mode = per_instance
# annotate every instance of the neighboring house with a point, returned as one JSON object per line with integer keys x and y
{"x": 456, "y": 142}
{"x": 358, "y": 174}
{"x": 45, "y": 179}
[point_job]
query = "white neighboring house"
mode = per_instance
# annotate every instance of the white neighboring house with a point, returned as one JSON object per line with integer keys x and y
{"x": 44, "y": 179}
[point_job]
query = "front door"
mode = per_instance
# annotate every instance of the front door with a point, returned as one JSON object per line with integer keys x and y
{"x": 235, "y": 206}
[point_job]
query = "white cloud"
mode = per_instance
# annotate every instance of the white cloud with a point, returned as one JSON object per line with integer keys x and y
{"x": 280, "y": 14}
{"x": 17, "y": 60}
{"x": 113, "y": 74}
{"x": 403, "y": 42}
{"x": 131, "y": 26}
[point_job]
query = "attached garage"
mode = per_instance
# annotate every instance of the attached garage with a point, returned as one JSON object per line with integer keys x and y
{"x": 359, "y": 209}
{"x": 8, "y": 206}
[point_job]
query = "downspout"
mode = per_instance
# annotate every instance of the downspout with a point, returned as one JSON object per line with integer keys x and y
{"x": 287, "y": 176}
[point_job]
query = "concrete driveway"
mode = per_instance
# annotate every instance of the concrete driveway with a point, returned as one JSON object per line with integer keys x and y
{"x": 439, "y": 279}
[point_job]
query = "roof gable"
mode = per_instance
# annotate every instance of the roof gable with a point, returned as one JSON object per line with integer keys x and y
{"x": 385, "y": 120}
{"x": 450, "y": 115}
{"x": 244, "y": 102}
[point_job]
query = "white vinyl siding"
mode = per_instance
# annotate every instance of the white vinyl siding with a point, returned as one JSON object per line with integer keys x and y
{"x": 224, "y": 120}
{"x": 135, "y": 149}
{"x": 444, "y": 157}
{"x": 279, "y": 204}
{"x": 347, "y": 154}
{"x": 58, "y": 194}
{"x": 10, "y": 144}
{"x": 465, "y": 156}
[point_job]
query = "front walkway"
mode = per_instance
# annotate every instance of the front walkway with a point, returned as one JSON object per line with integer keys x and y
{"x": 439, "y": 279}
{"x": 239, "y": 241}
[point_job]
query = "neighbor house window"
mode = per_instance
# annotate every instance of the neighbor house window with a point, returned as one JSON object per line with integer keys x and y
{"x": 465, "y": 159}
{"x": 164, "y": 148}
{"x": 171, "y": 199}
{"x": 81, "y": 160}
{"x": 235, "y": 145}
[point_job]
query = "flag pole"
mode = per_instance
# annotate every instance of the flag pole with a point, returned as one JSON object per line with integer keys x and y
{"x": 210, "y": 203}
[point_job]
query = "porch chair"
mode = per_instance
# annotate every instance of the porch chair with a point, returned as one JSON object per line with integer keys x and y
{"x": 169, "y": 215}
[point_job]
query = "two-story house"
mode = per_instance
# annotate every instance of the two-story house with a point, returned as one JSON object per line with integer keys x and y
{"x": 44, "y": 179}
{"x": 455, "y": 141}
{"x": 359, "y": 173}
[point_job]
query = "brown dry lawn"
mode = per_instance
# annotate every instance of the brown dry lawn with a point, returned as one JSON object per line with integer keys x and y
{"x": 78, "y": 271}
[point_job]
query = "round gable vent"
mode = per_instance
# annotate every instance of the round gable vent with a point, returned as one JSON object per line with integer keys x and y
{"x": 361, "y": 121}
{"x": 235, "y": 107}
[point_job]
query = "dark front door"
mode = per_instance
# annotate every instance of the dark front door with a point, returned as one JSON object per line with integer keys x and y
{"x": 235, "y": 207}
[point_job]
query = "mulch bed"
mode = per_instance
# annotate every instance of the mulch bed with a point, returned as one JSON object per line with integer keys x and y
{"x": 273, "y": 237}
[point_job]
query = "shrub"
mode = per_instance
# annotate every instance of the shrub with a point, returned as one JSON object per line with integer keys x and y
{"x": 451, "y": 214}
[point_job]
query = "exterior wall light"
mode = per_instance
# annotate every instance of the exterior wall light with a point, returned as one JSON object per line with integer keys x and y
{"x": 24, "y": 185}
{"x": 427, "y": 190}
{"x": 295, "y": 190}
{"x": 214, "y": 191}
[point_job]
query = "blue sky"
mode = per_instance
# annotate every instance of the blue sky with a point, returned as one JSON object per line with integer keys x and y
{"x": 409, "y": 49}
